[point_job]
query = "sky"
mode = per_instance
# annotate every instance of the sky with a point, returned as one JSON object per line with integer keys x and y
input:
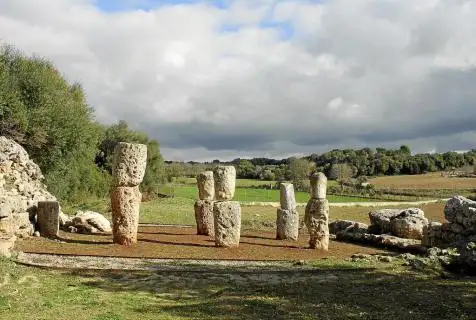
{"x": 226, "y": 79}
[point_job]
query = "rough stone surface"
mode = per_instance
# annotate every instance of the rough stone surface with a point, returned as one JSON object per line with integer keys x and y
{"x": 130, "y": 161}
{"x": 409, "y": 224}
{"x": 461, "y": 228}
{"x": 227, "y": 217}
{"x": 21, "y": 188}
{"x": 6, "y": 245}
{"x": 356, "y": 234}
{"x": 316, "y": 219}
{"x": 206, "y": 186}
{"x": 287, "y": 197}
{"x": 468, "y": 256}
{"x": 97, "y": 221}
{"x": 48, "y": 218}
{"x": 318, "y": 182}
{"x": 204, "y": 217}
{"x": 225, "y": 179}
{"x": 341, "y": 225}
{"x": 287, "y": 224}
{"x": 462, "y": 211}
{"x": 125, "y": 205}
{"x": 406, "y": 223}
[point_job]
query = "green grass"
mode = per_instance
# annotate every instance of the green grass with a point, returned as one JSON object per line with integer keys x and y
{"x": 254, "y": 194}
{"x": 333, "y": 289}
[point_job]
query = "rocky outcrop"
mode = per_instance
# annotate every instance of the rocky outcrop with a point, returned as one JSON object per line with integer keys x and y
{"x": 21, "y": 188}
{"x": 460, "y": 228}
{"x": 90, "y": 222}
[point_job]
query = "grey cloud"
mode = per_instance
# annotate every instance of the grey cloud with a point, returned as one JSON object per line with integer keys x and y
{"x": 360, "y": 73}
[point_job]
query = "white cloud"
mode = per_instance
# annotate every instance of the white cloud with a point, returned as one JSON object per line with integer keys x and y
{"x": 359, "y": 73}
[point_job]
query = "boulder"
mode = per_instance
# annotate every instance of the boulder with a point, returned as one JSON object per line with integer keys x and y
{"x": 130, "y": 161}
{"x": 227, "y": 217}
{"x": 125, "y": 205}
{"x": 380, "y": 220}
{"x": 318, "y": 182}
{"x": 462, "y": 211}
{"x": 6, "y": 245}
{"x": 341, "y": 225}
{"x": 94, "y": 219}
{"x": 204, "y": 217}
{"x": 287, "y": 198}
{"x": 225, "y": 179}
{"x": 409, "y": 224}
{"x": 316, "y": 219}
{"x": 206, "y": 186}
{"x": 287, "y": 224}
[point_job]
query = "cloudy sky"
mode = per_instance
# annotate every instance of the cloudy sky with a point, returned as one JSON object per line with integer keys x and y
{"x": 243, "y": 78}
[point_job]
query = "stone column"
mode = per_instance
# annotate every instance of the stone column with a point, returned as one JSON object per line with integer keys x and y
{"x": 48, "y": 218}
{"x": 316, "y": 215}
{"x": 287, "y": 220}
{"x": 226, "y": 213}
{"x": 204, "y": 206}
{"x": 130, "y": 161}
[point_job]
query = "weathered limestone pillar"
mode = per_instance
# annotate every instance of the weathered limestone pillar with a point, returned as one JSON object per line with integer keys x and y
{"x": 48, "y": 218}
{"x": 318, "y": 185}
{"x": 206, "y": 186}
{"x": 316, "y": 215}
{"x": 130, "y": 161}
{"x": 225, "y": 179}
{"x": 226, "y": 213}
{"x": 287, "y": 220}
{"x": 204, "y": 206}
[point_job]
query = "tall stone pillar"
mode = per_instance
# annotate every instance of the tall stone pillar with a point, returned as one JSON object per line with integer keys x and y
{"x": 48, "y": 218}
{"x": 287, "y": 220}
{"x": 204, "y": 206}
{"x": 130, "y": 161}
{"x": 226, "y": 213}
{"x": 316, "y": 215}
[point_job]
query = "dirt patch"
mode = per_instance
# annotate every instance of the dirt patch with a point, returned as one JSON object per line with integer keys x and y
{"x": 183, "y": 243}
{"x": 428, "y": 181}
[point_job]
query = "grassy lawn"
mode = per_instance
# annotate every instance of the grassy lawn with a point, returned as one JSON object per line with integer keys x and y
{"x": 180, "y": 211}
{"x": 330, "y": 290}
{"x": 253, "y": 194}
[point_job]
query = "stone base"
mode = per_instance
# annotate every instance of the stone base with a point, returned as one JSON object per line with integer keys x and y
{"x": 287, "y": 224}
{"x": 125, "y": 205}
{"x": 48, "y": 218}
{"x": 316, "y": 219}
{"x": 227, "y": 220}
{"x": 204, "y": 217}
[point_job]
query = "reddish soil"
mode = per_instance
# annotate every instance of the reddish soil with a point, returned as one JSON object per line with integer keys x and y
{"x": 183, "y": 243}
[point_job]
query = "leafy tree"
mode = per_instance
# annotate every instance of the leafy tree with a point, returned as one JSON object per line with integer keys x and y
{"x": 299, "y": 173}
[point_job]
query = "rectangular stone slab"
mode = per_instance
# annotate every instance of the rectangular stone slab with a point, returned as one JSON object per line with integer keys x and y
{"x": 48, "y": 218}
{"x": 227, "y": 219}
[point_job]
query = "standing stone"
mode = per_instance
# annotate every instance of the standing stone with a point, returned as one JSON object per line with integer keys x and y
{"x": 130, "y": 162}
{"x": 206, "y": 186}
{"x": 204, "y": 217}
{"x": 287, "y": 224}
{"x": 125, "y": 205}
{"x": 48, "y": 218}
{"x": 317, "y": 222}
{"x": 227, "y": 217}
{"x": 318, "y": 185}
{"x": 225, "y": 179}
{"x": 287, "y": 198}
{"x": 287, "y": 220}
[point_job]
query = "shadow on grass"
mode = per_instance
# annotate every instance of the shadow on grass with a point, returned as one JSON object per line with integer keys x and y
{"x": 323, "y": 293}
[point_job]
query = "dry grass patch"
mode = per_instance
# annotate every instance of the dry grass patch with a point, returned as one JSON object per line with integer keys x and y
{"x": 424, "y": 181}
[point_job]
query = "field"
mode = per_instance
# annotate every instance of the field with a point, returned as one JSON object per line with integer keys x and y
{"x": 430, "y": 181}
{"x": 253, "y": 194}
{"x": 180, "y": 211}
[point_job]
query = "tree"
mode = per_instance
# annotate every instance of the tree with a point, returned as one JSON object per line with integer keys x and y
{"x": 299, "y": 173}
{"x": 342, "y": 172}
